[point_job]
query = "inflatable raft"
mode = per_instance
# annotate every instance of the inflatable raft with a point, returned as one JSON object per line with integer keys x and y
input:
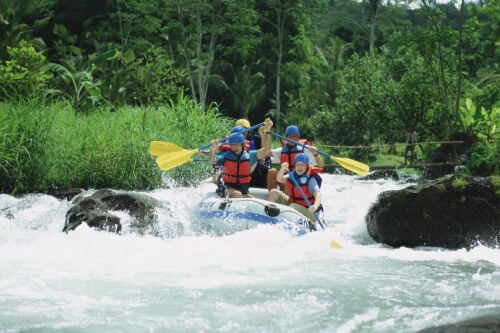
{"x": 226, "y": 216}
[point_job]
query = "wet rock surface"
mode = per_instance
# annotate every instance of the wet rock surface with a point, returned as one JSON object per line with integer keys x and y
{"x": 381, "y": 174}
{"x": 451, "y": 212}
{"x": 99, "y": 211}
{"x": 483, "y": 324}
{"x": 67, "y": 194}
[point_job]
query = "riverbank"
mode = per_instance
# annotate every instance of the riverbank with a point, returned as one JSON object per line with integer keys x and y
{"x": 46, "y": 146}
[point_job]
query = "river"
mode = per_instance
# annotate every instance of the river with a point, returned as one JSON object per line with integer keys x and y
{"x": 259, "y": 280}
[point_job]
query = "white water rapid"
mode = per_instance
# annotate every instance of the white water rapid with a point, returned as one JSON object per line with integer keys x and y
{"x": 260, "y": 280}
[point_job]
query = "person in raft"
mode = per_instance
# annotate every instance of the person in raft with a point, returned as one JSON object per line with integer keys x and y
{"x": 254, "y": 140}
{"x": 307, "y": 178}
{"x": 287, "y": 154}
{"x": 237, "y": 163}
{"x": 259, "y": 174}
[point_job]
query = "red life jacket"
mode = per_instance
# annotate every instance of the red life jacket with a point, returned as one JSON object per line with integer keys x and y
{"x": 303, "y": 181}
{"x": 288, "y": 153}
{"x": 236, "y": 168}
{"x": 228, "y": 147}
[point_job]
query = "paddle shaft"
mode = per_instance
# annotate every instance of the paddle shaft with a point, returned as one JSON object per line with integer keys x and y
{"x": 308, "y": 203}
{"x": 298, "y": 143}
{"x": 225, "y": 139}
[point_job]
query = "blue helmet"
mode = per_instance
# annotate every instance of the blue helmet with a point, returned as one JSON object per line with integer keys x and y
{"x": 292, "y": 130}
{"x": 302, "y": 158}
{"x": 236, "y": 138}
{"x": 237, "y": 129}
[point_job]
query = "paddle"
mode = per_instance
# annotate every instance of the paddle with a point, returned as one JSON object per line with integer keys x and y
{"x": 346, "y": 163}
{"x": 308, "y": 203}
{"x": 158, "y": 148}
{"x": 334, "y": 244}
{"x": 175, "y": 158}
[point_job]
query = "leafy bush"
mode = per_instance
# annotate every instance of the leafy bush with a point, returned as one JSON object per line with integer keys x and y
{"x": 484, "y": 159}
{"x": 149, "y": 80}
{"x": 364, "y": 107}
{"x": 77, "y": 85}
{"x": 23, "y": 74}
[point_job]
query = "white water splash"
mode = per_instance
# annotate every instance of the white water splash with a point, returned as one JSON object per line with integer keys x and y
{"x": 262, "y": 280}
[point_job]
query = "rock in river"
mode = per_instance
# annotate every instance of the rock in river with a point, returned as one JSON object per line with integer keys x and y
{"x": 452, "y": 212}
{"x": 97, "y": 211}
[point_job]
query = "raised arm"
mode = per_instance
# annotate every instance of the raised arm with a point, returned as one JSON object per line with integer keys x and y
{"x": 317, "y": 157}
{"x": 213, "y": 150}
{"x": 280, "y": 175}
{"x": 265, "y": 134}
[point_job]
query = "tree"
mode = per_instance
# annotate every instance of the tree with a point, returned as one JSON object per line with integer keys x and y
{"x": 79, "y": 84}
{"x": 373, "y": 8}
{"x": 246, "y": 90}
{"x": 199, "y": 27}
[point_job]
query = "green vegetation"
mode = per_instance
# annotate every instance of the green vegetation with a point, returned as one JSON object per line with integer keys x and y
{"x": 459, "y": 184}
{"x": 46, "y": 146}
{"x": 495, "y": 180}
{"x": 347, "y": 72}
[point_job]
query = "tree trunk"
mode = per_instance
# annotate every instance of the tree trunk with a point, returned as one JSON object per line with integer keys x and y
{"x": 443, "y": 87}
{"x": 459, "y": 65}
{"x": 186, "y": 55}
{"x": 199, "y": 69}
{"x": 120, "y": 21}
{"x": 372, "y": 35}
{"x": 374, "y": 7}
{"x": 281, "y": 12}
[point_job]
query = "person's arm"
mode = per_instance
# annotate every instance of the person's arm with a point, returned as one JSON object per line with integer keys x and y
{"x": 265, "y": 132}
{"x": 276, "y": 154}
{"x": 317, "y": 202}
{"x": 314, "y": 189}
{"x": 280, "y": 174}
{"x": 253, "y": 160}
{"x": 317, "y": 157}
{"x": 213, "y": 150}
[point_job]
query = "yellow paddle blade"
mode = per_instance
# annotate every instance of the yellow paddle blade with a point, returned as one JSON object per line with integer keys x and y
{"x": 174, "y": 159}
{"x": 158, "y": 148}
{"x": 352, "y": 165}
{"x": 335, "y": 245}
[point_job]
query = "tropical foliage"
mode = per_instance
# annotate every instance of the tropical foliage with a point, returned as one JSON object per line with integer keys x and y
{"x": 345, "y": 71}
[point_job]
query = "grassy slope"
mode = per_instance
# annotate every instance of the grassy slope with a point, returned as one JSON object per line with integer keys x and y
{"x": 46, "y": 146}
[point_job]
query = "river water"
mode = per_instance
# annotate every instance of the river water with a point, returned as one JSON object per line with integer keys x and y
{"x": 259, "y": 280}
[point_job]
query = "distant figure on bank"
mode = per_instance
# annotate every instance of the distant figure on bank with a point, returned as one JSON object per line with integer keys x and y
{"x": 411, "y": 142}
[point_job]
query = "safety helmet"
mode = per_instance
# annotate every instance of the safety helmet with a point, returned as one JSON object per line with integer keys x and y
{"x": 301, "y": 158}
{"x": 292, "y": 130}
{"x": 236, "y": 138}
{"x": 243, "y": 123}
{"x": 237, "y": 129}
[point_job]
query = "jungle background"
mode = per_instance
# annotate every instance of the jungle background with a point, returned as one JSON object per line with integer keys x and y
{"x": 85, "y": 85}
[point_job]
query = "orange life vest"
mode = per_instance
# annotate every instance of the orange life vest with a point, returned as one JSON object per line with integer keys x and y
{"x": 288, "y": 153}
{"x": 303, "y": 181}
{"x": 228, "y": 147}
{"x": 236, "y": 168}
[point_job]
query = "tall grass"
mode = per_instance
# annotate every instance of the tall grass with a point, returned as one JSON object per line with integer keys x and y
{"x": 48, "y": 146}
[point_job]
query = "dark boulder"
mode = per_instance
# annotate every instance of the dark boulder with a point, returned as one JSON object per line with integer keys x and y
{"x": 483, "y": 324}
{"x": 67, "y": 194}
{"x": 381, "y": 174}
{"x": 450, "y": 154}
{"x": 450, "y": 212}
{"x": 97, "y": 211}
